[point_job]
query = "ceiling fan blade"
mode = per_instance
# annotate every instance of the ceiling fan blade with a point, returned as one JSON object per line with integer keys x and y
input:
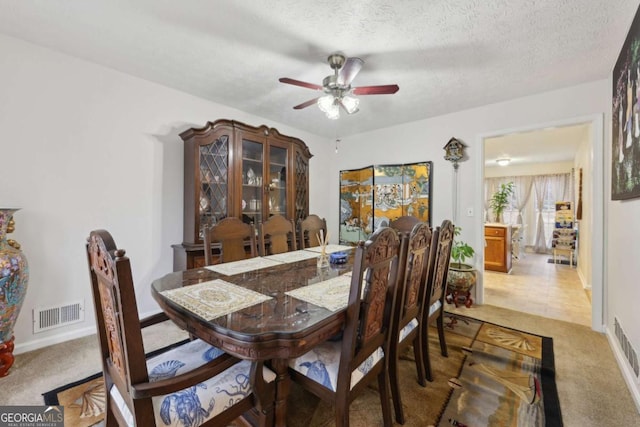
{"x": 349, "y": 70}
{"x": 375, "y": 90}
{"x": 306, "y": 104}
{"x": 299, "y": 83}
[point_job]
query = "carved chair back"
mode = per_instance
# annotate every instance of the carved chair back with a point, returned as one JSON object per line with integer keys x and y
{"x": 114, "y": 296}
{"x": 309, "y": 230}
{"x": 279, "y": 232}
{"x": 338, "y": 370}
{"x": 373, "y": 288}
{"x": 436, "y": 290}
{"x": 237, "y": 240}
{"x": 438, "y": 286}
{"x": 415, "y": 256}
{"x": 404, "y": 224}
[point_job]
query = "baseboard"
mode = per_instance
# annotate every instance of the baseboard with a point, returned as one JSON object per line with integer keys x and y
{"x": 583, "y": 280}
{"x": 54, "y": 339}
{"x": 627, "y": 373}
{"x": 64, "y": 336}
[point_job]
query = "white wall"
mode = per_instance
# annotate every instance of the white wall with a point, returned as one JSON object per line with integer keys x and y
{"x": 622, "y": 234}
{"x": 86, "y": 147}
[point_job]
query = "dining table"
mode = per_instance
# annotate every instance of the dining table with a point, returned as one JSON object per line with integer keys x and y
{"x": 273, "y": 308}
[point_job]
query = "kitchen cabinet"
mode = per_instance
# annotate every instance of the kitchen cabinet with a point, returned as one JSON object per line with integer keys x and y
{"x": 497, "y": 250}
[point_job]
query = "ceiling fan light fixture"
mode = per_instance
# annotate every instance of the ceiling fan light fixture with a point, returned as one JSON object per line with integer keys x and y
{"x": 350, "y": 104}
{"x": 328, "y": 104}
{"x": 504, "y": 161}
{"x": 333, "y": 113}
{"x": 337, "y": 88}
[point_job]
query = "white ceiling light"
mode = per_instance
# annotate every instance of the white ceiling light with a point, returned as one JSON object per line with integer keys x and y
{"x": 504, "y": 161}
{"x": 350, "y": 104}
{"x": 330, "y": 105}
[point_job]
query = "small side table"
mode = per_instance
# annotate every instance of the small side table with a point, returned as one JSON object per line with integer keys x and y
{"x": 568, "y": 252}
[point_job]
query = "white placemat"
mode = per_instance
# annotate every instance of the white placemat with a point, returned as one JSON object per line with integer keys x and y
{"x": 330, "y": 248}
{"x": 242, "y": 266}
{"x": 332, "y": 294}
{"x": 293, "y": 256}
{"x": 213, "y": 299}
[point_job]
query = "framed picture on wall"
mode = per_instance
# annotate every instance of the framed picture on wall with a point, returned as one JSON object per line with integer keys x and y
{"x": 625, "y": 159}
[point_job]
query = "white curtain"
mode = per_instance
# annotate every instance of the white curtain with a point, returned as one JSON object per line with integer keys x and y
{"x": 557, "y": 188}
{"x": 541, "y": 186}
{"x": 521, "y": 193}
{"x": 561, "y": 188}
{"x": 531, "y": 210}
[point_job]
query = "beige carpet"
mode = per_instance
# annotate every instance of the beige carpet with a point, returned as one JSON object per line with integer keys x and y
{"x": 591, "y": 389}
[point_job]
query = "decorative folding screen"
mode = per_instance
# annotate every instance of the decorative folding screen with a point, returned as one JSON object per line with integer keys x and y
{"x": 374, "y": 195}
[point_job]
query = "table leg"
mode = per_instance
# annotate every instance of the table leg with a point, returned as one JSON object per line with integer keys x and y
{"x": 280, "y": 367}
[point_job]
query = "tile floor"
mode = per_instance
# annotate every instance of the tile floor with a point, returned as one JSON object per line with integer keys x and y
{"x": 537, "y": 287}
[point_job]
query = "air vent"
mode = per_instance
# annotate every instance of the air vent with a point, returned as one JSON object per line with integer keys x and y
{"x": 628, "y": 350}
{"x": 55, "y": 317}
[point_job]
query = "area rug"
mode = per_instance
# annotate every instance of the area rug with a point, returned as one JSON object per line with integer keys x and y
{"x": 493, "y": 376}
{"x": 507, "y": 378}
{"x": 84, "y": 400}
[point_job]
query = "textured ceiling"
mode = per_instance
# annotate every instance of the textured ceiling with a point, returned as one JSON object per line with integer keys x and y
{"x": 445, "y": 55}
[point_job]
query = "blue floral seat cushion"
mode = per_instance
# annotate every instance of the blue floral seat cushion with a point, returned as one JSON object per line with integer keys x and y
{"x": 407, "y": 329}
{"x": 414, "y": 322}
{"x": 321, "y": 364}
{"x": 193, "y": 406}
{"x": 434, "y": 307}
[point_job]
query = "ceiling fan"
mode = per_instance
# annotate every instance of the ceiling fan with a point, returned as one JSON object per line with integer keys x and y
{"x": 337, "y": 87}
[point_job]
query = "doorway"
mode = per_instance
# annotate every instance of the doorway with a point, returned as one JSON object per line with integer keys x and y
{"x": 593, "y": 265}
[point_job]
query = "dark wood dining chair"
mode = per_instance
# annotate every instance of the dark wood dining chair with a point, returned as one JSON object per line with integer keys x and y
{"x": 404, "y": 224}
{"x": 189, "y": 384}
{"x": 437, "y": 289}
{"x": 339, "y": 370}
{"x": 415, "y": 254}
{"x": 309, "y": 230}
{"x": 276, "y": 235}
{"x": 237, "y": 240}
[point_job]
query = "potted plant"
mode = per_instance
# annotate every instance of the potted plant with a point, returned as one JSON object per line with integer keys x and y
{"x": 461, "y": 277}
{"x": 500, "y": 199}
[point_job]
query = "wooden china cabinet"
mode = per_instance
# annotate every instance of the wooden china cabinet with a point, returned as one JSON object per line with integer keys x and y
{"x": 233, "y": 169}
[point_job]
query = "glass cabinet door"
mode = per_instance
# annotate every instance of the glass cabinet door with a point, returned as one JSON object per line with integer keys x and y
{"x": 214, "y": 167}
{"x": 252, "y": 181}
{"x": 277, "y": 188}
